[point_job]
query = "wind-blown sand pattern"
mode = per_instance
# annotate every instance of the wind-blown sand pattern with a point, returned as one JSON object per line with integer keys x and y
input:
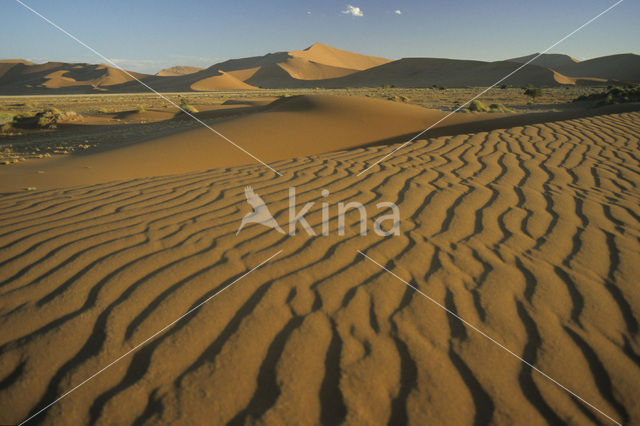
{"x": 531, "y": 233}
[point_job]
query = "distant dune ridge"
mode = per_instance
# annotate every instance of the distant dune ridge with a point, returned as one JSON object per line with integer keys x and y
{"x": 318, "y": 65}
{"x": 178, "y": 70}
{"x": 547, "y": 60}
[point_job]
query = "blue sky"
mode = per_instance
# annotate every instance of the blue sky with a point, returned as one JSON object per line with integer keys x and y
{"x": 149, "y": 35}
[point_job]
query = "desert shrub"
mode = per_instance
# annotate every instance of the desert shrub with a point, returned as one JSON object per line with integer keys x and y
{"x": 6, "y": 117}
{"x": 46, "y": 121}
{"x": 613, "y": 95}
{"x": 102, "y": 110}
{"x": 140, "y": 109}
{"x": 185, "y": 106}
{"x": 23, "y": 115}
{"x": 499, "y": 108}
{"x": 477, "y": 106}
{"x": 533, "y": 92}
{"x": 6, "y": 128}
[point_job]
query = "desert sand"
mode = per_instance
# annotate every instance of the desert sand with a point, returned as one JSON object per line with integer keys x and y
{"x": 286, "y": 128}
{"x": 531, "y": 233}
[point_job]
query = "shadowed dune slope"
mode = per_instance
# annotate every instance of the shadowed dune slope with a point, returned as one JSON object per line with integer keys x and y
{"x": 623, "y": 67}
{"x": 220, "y": 81}
{"x": 425, "y": 72}
{"x": 547, "y": 60}
{"x": 531, "y": 233}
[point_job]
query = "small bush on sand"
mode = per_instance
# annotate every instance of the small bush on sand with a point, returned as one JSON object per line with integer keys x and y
{"x": 6, "y": 117}
{"x": 533, "y": 92}
{"x": 187, "y": 107}
{"x": 477, "y": 106}
{"x": 140, "y": 109}
{"x": 46, "y": 119}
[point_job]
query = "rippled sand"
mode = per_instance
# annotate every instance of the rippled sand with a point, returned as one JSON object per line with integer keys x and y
{"x": 531, "y": 234}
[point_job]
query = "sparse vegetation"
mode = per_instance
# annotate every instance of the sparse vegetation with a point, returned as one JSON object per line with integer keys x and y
{"x": 398, "y": 98}
{"x": 187, "y": 107}
{"x": 613, "y": 95}
{"x": 533, "y": 92}
{"x": 140, "y": 109}
{"x": 46, "y": 119}
{"x": 499, "y": 108}
{"x": 478, "y": 106}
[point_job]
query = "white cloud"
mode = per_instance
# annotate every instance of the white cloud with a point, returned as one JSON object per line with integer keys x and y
{"x": 353, "y": 10}
{"x": 308, "y": 12}
{"x": 398, "y": 12}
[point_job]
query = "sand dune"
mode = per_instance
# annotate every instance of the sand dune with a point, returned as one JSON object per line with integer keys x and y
{"x": 316, "y": 66}
{"x": 177, "y": 71}
{"x": 322, "y": 54}
{"x": 530, "y": 233}
{"x": 425, "y": 72}
{"x": 220, "y": 81}
{"x": 546, "y": 60}
{"x": 298, "y": 68}
{"x": 624, "y": 67}
{"x": 25, "y": 78}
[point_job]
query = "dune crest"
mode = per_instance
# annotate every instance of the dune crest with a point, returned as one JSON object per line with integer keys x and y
{"x": 178, "y": 71}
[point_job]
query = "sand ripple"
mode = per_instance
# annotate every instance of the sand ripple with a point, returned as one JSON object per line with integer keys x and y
{"x": 530, "y": 233}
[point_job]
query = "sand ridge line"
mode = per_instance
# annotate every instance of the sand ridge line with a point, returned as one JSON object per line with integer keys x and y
{"x": 500, "y": 345}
